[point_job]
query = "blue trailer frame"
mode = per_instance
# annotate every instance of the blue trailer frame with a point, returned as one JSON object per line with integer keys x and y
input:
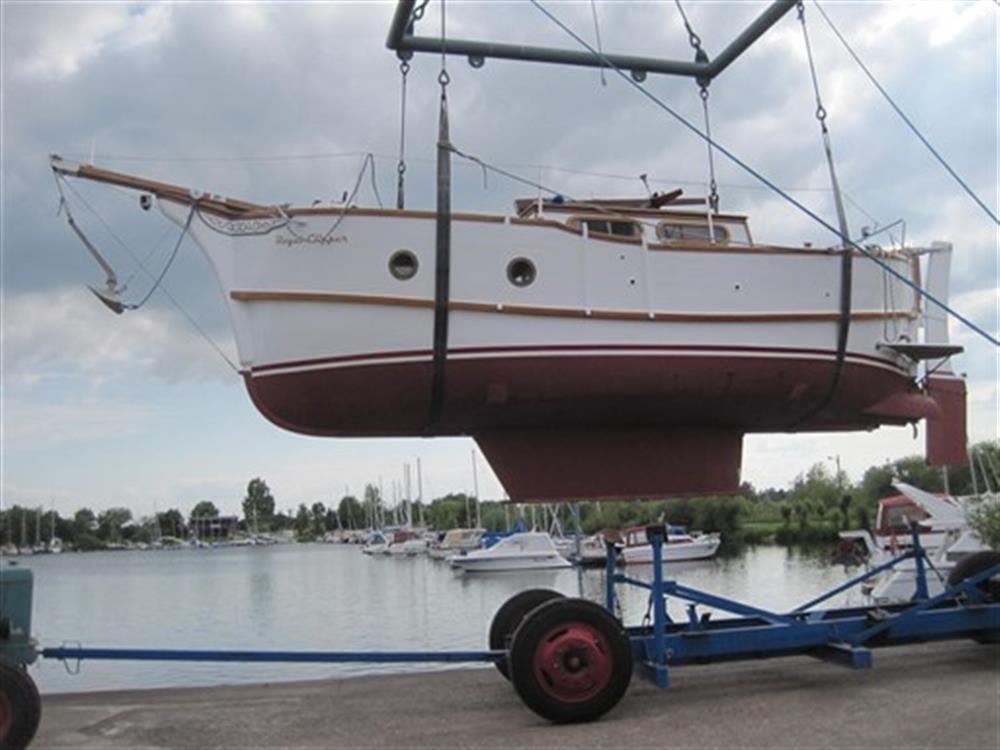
{"x": 846, "y": 636}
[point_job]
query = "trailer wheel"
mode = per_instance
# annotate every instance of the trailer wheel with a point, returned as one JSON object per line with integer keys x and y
{"x": 974, "y": 565}
{"x": 20, "y": 707}
{"x": 570, "y": 661}
{"x": 510, "y": 615}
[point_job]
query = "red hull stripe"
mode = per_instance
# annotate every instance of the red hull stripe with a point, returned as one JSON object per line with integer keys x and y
{"x": 568, "y": 349}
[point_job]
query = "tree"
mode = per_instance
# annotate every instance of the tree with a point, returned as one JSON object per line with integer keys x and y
{"x": 984, "y": 518}
{"x": 258, "y": 505}
{"x": 303, "y": 522}
{"x": 319, "y": 518}
{"x": 110, "y": 522}
{"x": 351, "y": 513}
{"x": 204, "y": 509}
{"x": 85, "y": 521}
{"x": 172, "y": 523}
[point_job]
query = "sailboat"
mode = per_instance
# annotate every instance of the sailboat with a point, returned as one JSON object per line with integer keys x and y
{"x": 579, "y": 342}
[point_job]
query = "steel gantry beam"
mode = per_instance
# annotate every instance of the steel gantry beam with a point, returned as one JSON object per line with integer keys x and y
{"x": 403, "y": 40}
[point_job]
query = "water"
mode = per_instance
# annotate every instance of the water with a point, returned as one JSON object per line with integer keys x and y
{"x": 327, "y": 597}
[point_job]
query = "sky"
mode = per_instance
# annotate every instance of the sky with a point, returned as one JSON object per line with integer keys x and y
{"x": 278, "y": 102}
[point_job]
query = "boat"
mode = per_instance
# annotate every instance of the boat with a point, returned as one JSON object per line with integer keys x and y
{"x": 941, "y": 521}
{"x": 405, "y": 542}
{"x": 578, "y": 342}
{"x": 455, "y": 542}
{"x": 678, "y": 546}
{"x": 376, "y": 543}
{"x": 526, "y": 550}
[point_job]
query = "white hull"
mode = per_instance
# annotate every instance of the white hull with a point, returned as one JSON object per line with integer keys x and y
{"x": 700, "y": 548}
{"x": 506, "y": 563}
{"x": 294, "y": 300}
{"x": 520, "y": 551}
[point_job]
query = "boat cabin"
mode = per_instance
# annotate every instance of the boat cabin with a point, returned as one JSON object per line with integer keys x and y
{"x": 895, "y": 514}
{"x": 636, "y": 536}
{"x": 646, "y": 220}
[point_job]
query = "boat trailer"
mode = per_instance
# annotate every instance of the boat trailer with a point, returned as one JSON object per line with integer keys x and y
{"x": 571, "y": 659}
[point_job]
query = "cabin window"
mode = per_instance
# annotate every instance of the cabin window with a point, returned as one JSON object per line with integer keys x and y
{"x": 613, "y": 227}
{"x": 521, "y": 272}
{"x": 403, "y": 265}
{"x": 670, "y": 230}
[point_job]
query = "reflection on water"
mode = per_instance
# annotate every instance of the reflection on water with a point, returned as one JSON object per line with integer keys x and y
{"x": 317, "y": 597}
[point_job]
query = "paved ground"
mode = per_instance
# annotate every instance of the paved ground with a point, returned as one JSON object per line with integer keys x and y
{"x": 937, "y": 695}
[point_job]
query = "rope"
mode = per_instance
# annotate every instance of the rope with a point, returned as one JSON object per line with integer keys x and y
{"x": 166, "y": 292}
{"x": 769, "y": 183}
{"x": 902, "y": 115}
{"x": 170, "y": 261}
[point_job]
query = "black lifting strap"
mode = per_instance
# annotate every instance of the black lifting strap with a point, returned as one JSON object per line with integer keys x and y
{"x": 442, "y": 273}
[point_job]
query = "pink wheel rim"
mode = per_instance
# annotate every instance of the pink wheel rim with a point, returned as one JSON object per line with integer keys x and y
{"x": 573, "y": 663}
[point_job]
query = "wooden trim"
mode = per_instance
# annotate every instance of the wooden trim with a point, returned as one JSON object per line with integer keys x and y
{"x": 349, "y": 299}
{"x": 167, "y": 191}
{"x": 559, "y": 312}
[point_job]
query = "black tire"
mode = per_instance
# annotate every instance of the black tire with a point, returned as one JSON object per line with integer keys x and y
{"x": 570, "y": 661}
{"x": 974, "y": 565}
{"x": 20, "y": 707}
{"x": 509, "y": 617}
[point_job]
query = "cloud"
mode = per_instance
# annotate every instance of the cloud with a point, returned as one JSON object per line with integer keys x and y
{"x": 56, "y": 40}
{"x": 30, "y": 425}
{"x": 65, "y": 333}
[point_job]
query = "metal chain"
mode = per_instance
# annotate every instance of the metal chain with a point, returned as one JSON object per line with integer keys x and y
{"x": 820, "y": 109}
{"x": 404, "y": 68}
{"x": 701, "y": 56}
{"x": 713, "y": 187}
{"x": 827, "y": 146}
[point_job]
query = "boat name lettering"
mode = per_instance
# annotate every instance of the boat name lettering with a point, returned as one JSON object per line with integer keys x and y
{"x": 311, "y": 239}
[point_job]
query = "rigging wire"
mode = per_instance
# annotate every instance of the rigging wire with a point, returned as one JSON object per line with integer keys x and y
{"x": 907, "y": 120}
{"x": 597, "y": 34}
{"x": 770, "y": 184}
{"x": 163, "y": 288}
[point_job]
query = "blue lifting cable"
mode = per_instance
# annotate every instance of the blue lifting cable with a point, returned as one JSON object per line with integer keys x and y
{"x": 902, "y": 114}
{"x": 757, "y": 175}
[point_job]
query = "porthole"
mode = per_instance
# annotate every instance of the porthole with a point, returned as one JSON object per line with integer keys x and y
{"x": 403, "y": 265}
{"x": 521, "y": 272}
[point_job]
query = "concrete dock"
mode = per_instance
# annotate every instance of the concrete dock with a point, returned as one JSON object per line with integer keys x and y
{"x": 943, "y": 695}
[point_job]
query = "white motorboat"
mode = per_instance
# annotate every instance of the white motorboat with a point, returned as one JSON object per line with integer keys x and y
{"x": 455, "y": 542}
{"x": 526, "y": 550}
{"x": 376, "y": 544}
{"x": 679, "y": 545}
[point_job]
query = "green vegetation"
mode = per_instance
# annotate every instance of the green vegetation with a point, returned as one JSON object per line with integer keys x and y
{"x": 820, "y": 503}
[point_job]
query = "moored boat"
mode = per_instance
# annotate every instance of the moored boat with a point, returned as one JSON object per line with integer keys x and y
{"x": 678, "y": 546}
{"x": 527, "y": 550}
